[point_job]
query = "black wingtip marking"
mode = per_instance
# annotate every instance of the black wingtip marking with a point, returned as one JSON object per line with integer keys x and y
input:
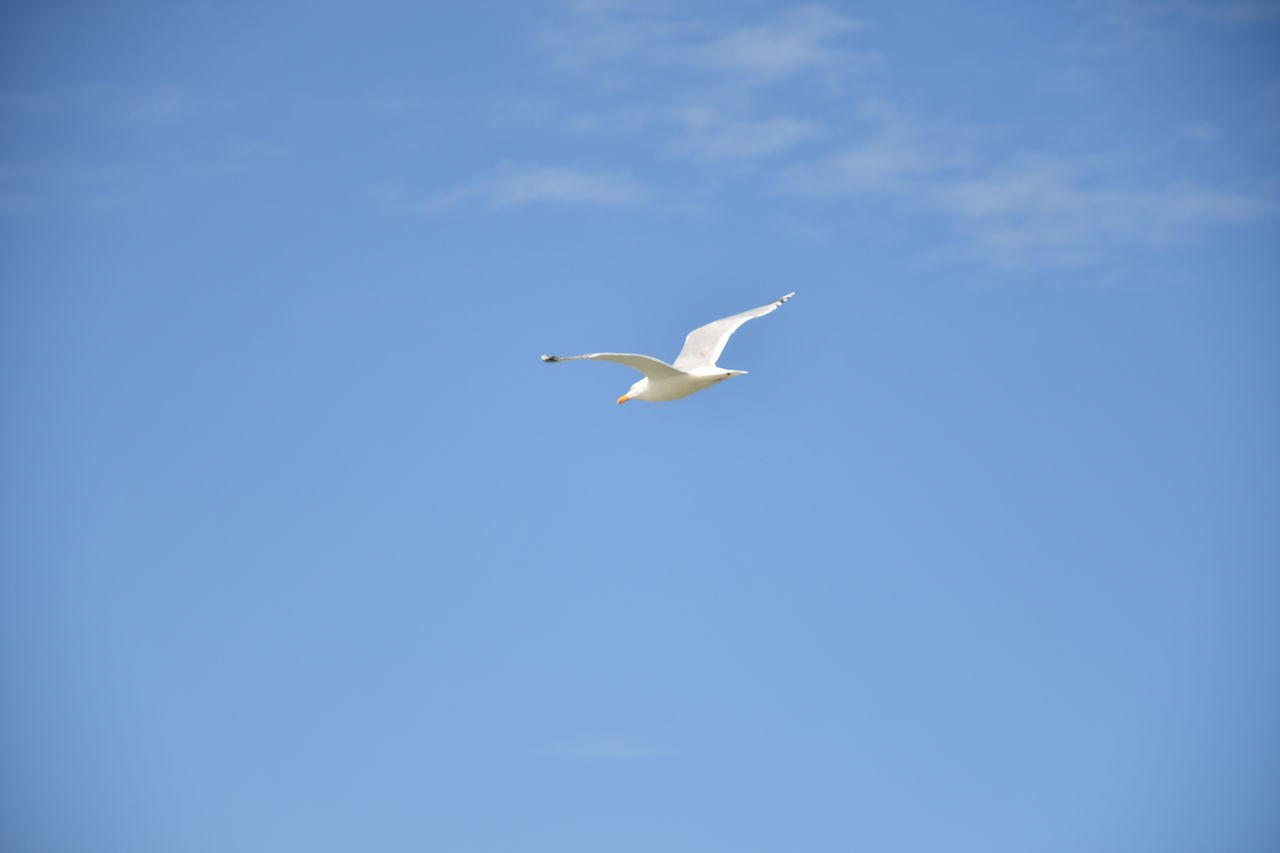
{"x": 550, "y": 358}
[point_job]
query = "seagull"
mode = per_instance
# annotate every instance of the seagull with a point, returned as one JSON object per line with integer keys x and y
{"x": 694, "y": 369}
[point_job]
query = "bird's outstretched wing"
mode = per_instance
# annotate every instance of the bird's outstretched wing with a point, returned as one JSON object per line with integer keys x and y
{"x": 648, "y": 365}
{"x": 702, "y": 346}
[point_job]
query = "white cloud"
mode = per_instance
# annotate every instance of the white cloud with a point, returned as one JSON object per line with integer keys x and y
{"x": 147, "y": 105}
{"x": 702, "y": 130}
{"x": 159, "y": 106}
{"x": 713, "y": 136}
{"x": 1203, "y": 132}
{"x": 1035, "y": 210}
{"x": 709, "y": 91}
{"x": 600, "y": 35}
{"x": 1050, "y": 211}
{"x": 884, "y": 163}
{"x": 802, "y": 39}
{"x": 545, "y": 185}
{"x": 29, "y": 187}
{"x": 604, "y": 35}
{"x": 711, "y": 112}
{"x": 564, "y": 185}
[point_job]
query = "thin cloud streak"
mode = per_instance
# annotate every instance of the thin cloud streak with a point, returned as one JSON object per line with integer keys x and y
{"x": 551, "y": 185}
{"x": 1051, "y": 212}
{"x": 796, "y": 41}
{"x": 714, "y": 136}
{"x": 140, "y": 105}
{"x": 802, "y": 40}
{"x": 1036, "y": 211}
{"x": 712, "y": 99}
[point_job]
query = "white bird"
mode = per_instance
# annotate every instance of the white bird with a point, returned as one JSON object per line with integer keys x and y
{"x": 695, "y": 367}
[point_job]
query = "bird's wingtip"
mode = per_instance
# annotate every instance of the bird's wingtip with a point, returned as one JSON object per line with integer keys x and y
{"x": 548, "y": 358}
{"x": 788, "y": 296}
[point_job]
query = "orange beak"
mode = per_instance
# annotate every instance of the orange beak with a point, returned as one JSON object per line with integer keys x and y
{"x": 624, "y": 398}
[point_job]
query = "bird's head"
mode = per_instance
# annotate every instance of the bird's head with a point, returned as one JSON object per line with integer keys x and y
{"x": 635, "y": 390}
{"x": 726, "y": 374}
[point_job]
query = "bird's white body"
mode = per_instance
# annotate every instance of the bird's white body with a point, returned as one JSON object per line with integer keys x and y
{"x": 694, "y": 369}
{"x": 673, "y": 388}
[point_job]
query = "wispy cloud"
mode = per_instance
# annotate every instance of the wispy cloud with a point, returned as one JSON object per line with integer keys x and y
{"x": 701, "y": 129}
{"x": 719, "y": 72}
{"x": 30, "y": 187}
{"x": 885, "y": 163}
{"x": 126, "y": 105}
{"x": 795, "y": 103}
{"x": 1203, "y": 132}
{"x": 547, "y": 185}
{"x": 1034, "y": 211}
{"x": 1050, "y": 211}
{"x": 799, "y": 40}
{"x": 157, "y": 106}
{"x": 713, "y": 135}
{"x": 606, "y": 34}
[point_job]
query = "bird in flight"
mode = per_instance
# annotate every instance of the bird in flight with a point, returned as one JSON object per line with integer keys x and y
{"x": 694, "y": 369}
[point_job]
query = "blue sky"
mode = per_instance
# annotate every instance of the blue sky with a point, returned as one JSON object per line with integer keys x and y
{"x": 306, "y": 550}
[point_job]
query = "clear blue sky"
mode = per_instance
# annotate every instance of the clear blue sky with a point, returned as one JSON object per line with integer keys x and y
{"x": 305, "y": 550}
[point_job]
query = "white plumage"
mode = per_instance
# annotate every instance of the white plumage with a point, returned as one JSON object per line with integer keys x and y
{"x": 694, "y": 368}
